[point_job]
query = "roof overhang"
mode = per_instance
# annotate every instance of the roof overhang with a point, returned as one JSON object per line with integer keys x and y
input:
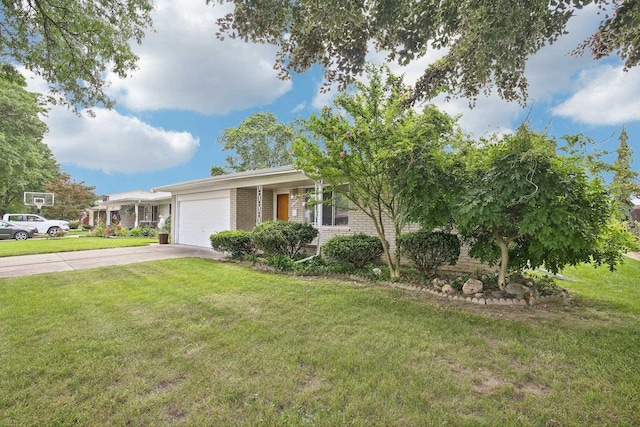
{"x": 268, "y": 178}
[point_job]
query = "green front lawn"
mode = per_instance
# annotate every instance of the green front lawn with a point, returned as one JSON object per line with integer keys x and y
{"x": 195, "y": 342}
{"x": 67, "y": 244}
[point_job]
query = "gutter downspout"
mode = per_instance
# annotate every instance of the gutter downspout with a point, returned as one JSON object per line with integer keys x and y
{"x": 318, "y": 214}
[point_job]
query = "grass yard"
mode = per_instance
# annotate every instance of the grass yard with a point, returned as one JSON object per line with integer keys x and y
{"x": 44, "y": 246}
{"x": 195, "y": 342}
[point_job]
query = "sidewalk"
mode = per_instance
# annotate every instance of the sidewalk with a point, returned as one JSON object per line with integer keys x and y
{"x": 27, "y": 265}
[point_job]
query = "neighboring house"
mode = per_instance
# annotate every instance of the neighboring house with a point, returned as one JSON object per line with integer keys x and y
{"x": 635, "y": 212}
{"x": 138, "y": 208}
{"x": 239, "y": 201}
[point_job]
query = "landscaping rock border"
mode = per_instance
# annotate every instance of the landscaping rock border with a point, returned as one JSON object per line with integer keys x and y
{"x": 488, "y": 301}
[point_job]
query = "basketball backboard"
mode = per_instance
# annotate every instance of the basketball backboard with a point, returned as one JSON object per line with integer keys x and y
{"x": 37, "y": 199}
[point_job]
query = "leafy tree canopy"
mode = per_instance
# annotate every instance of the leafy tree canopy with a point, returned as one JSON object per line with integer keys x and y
{"x": 484, "y": 43}
{"x": 73, "y": 44}
{"x": 71, "y": 197}
{"x": 259, "y": 142}
{"x": 26, "y": 163}
{"x": 524, "y": 205}
{"x": 359, "y": 141}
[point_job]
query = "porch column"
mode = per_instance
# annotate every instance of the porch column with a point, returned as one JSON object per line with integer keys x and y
{"x": 317, "y": 213}
{"x": 135, "y": 221}
{"x": 258, "y": 204}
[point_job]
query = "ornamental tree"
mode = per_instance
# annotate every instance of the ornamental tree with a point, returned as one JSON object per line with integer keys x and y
{"x": 358, "y": 142}
{"x": 71, "y": 197}
{"x": 484, "y": 43}
{"x": 524, "y": 205}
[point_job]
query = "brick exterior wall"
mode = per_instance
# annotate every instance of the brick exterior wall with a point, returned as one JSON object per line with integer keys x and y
{"x": 243, "y": 209}
{"x": 244, "y": 213}
{"x": 635, "y": 213}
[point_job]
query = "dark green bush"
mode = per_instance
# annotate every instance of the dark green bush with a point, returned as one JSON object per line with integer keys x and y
{"x": 74, "y": 225}
{"x": 428, "y": 250}
{"x": 280, "y": 262}
{"x": 235, "y": 242}
{"x": 135, "y": 232}
{"x": 282, "y": 238}
{"x": 150, "y": 232}
{"x": 357, "y": 250}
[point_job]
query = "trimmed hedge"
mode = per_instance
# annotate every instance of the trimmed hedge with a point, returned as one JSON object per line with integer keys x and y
{"x": 235, "y": 242}
{"x": 428, "y": 250}
{"x": 282, "y": 238}
{"x": 357, "y": 250}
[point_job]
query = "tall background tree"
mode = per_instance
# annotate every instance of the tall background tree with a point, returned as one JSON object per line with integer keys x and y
{"x": 259, "y": 142}
{"x": 484, "y": 43}
{"x": 217, "y": 170}
{"x": 624, "y": 184}
{"x": 357, "y": 144}
{"x": 71, "y": 198}
{"x": 73, "y": 44}
{"x": 26, "y": 163}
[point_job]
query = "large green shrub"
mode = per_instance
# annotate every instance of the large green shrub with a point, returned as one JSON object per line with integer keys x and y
{"x": 235, "y": 242}
{"x": 428, "y": 250}
{"x": 357, "y": 250}
{"x": 282, "y": 238}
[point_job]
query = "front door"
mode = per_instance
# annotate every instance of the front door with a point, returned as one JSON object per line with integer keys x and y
{"x": 282, "y": 211}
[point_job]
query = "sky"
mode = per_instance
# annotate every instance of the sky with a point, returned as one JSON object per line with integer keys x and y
{"x": 190, "y": 86}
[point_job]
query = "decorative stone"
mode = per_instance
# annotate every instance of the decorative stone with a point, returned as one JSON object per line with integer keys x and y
{"x": 515, "y": 289}
{"x": 448, "y": 289}
{"x": 438, "y": 283}
{"x": 498, "y": 294}
{"x": 472, "y": 286}
{"x": 479, "y": 295}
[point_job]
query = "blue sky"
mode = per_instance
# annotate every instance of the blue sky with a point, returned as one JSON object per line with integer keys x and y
{"x": 190, "y": 86}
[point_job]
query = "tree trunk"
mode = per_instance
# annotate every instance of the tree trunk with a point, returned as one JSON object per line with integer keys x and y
{"x": 504, "y": 260}
{"x": 394, "y": 271}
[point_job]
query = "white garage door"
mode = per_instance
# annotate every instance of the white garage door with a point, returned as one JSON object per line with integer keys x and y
{"x": 198, "y": 219}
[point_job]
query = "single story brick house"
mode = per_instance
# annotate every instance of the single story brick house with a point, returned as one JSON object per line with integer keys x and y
{"x": 137, "y": 208}
{"x": 239, "y": 201}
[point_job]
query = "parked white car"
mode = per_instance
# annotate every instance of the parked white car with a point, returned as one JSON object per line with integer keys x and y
{"x": 44, "y": 225}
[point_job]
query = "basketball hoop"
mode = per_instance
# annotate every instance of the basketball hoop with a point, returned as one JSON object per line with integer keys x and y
{"x": 39, "y": 202}
{"x": 38, "y": 199}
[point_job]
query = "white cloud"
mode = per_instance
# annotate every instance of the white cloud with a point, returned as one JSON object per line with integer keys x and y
{"x": 183, "y": 66}
{"x": 300, "y": 107}
{"x": 607, "y": 96}
{"x": 114, "y": 143}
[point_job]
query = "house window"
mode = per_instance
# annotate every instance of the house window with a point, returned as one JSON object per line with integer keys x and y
{"x": 147, "y": 213}
{"x": 335, "y": 209}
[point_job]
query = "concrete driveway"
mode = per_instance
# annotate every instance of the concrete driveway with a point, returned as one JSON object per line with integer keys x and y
{"x": 27, "y": 265}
